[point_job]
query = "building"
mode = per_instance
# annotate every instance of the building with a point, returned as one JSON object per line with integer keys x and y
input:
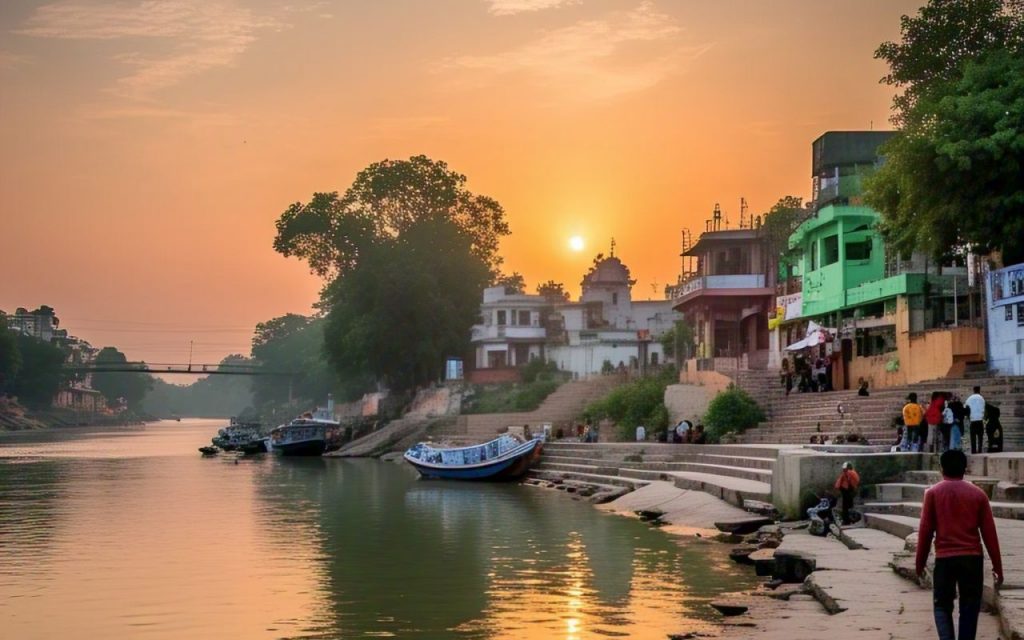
{"x": 605, "y": 329}
{"x": 894, "y": 320}
{"x": 727, "y": 298}
{"x": 41, "y": 323}
{"x": 1004, "y": 292}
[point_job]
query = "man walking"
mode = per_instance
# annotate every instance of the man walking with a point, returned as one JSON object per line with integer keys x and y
{"x": 976, "y": 415}
{"x": 954, "y": 512}
{"x": 847, "y": 484}
{"x": 913, "y": 414}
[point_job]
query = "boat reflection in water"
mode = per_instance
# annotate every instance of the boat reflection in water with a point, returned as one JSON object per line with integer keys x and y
{"x": 311, "y": 434}
{"x": 505, "y": 457}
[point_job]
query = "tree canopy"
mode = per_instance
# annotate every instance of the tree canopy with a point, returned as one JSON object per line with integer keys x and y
{"x": 10, "y": 357}
{"x": 408, "y": 305}
{"x": 951, "y": 176}
{"x": 386, "y": 199}
{"x": 553, "y": 291}
{"x": 293, "y": 343}
{"x": 40, "y": 374}
{"x": 132, "y": 387}
{"x": 514, "y": 283}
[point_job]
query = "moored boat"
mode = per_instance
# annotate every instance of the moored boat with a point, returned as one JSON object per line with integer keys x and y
{"x": 311, "y": 434}
{"x": 504, "y": 458}
{"x": 238, "y": 434}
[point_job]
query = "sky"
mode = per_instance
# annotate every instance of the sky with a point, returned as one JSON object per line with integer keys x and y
{"x": 147, "y": 147}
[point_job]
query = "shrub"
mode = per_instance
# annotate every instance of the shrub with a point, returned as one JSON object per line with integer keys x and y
{"x": 638, "y": 403}
{"x": 731, "y": 410}
{"x": 538, "y": 368}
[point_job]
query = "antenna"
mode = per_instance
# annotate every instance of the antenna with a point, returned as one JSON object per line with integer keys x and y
{"x": 189, "y": 355}
{"x": 743, "y": 215}
{"x": 716, "y": 217}
{"x": 613, "y": 248}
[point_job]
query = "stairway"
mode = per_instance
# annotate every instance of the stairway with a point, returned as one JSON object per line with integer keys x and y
{"x": 560, "y": 409}
{"x": 798, "y": 417}
{"x": 734, "y": 473}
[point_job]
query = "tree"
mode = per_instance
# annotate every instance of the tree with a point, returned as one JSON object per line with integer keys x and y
{"x": 10, "y": 357}
{"x": 409, "y": 303}
{"x": 514, "y": 283}
{"x": 214, "y": 396}
{"x": 40, "y": 375}
{"x": 294, "y": 343}
{"x": 115, "y": 385}
{"x": 732, "y": 410}
{"x": 951, "y": 176}
{"x": 385, "y": 200}
{"x": 553, "y": 292}
{"x": 678, "y": 342}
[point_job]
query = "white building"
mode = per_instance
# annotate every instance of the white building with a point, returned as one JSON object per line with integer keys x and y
{"x": 1004, "y": 291}
{"x": 604, "y": 328}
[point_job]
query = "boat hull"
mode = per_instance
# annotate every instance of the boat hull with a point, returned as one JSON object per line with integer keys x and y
{"x": 505, "y": 468}
{"x": 304, "y": 448}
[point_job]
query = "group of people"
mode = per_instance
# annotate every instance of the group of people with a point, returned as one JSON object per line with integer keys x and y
{"x": 945, "y": 421}
{"x": 806, "y": 375}
{"x": 685, "y": 433}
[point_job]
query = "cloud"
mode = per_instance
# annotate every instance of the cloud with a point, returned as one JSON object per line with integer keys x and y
{"x": 512, "y": 7}
{"x": 620, "y": 52}
{"x": 193, "y": 36}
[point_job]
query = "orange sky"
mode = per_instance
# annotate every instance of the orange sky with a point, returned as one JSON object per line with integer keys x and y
{"x": 147, "y": 147}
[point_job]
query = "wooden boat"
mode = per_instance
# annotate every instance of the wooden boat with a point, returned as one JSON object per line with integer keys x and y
{"x": 506, "y": 457}
{"x": 209, "y": 451}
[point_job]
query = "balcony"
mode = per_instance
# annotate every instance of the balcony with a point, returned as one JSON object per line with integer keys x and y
{"x": 508, "y": 332}
{"x": 740, "y": 281}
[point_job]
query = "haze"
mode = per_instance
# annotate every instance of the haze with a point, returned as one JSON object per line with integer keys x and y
{"x": 146, "y": 148}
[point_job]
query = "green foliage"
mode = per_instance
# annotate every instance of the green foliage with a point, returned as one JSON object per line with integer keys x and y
{"x": 641, "y": 402}
{"x": 214, "y": 396}
{"x": 40, "y": 375}
{"x": 114, "y": 385}
{"x": 677, "y": 343}
{"x": 513, "y": 283}
{"x": 732, "y": 410}
{"x": 778, "y": 224}
{"x": 952, "y": 175}
{"x": 410, "y": 303}
{"x": 553, "y": 291}
{"x": 10, "y": 357}
{"x": 607, "y": 367}
{"x": 506, "y": 398}
{"x": 294, "y": 343}
{"x": 539, "y": 368}
{"x": 385, "y": 200}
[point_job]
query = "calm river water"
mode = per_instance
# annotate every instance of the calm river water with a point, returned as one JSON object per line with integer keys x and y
{"x": 131, "y": 534}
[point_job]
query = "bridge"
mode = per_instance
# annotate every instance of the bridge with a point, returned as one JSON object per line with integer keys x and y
{"x": 164, "y": 368}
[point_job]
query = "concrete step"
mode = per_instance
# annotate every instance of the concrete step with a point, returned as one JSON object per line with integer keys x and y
{"x": 732, "y": 490}
{"x": 1009, "y": 510}
{"x": 589, "y": 478}
{"x": 734, "y": 461}
{"x": 896, "y": 525}
{"x": 606, "y": 449}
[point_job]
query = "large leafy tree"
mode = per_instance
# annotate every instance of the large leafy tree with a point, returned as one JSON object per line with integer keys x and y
{"x": 292, "y": 344}
{"x": 952, "y": 174}
{"x": 553, "y": 291}
{"x": 114, "y": 385}
{"x": 40, "y": 374}
{"x": 10, "y": 357}
{"x": 386, "y": 199}
{"x": 409, "y": 303}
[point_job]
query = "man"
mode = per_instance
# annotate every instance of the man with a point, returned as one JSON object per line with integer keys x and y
{"x": 954, "y": 512}
{"x": 976, "y": 415}
{"x": 913, "y": 414}
{"x": 847, "y": 484}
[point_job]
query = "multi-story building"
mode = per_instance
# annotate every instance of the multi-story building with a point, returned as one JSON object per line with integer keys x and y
{"x": 41, "y": 323}
{"x": 604, "y": 329}
{"x": 727, "y": 298}
{"x": 1004, "y": 290}
{"x": 893, "y": 320}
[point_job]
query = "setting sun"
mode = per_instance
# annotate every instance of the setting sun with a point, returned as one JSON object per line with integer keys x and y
{"x": 576, "y": 243}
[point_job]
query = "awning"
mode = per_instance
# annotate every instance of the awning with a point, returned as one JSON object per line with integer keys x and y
{"x": 816, "y": 334}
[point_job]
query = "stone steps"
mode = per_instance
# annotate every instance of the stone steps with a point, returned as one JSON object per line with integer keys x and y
{"x": 589, "y": 478}
{"x": 1008, "y": 510}
{"x": 736, "y": 461}
{"x": 896, "y": 525}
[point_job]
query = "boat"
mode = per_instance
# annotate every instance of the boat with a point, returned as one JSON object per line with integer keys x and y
{"x": 259, "y": 445}
{"x": 237, "y": 435}
{"x": 504, "y": 458}
{"x": 311, "y": 434}
{"x": 209, "y": 451}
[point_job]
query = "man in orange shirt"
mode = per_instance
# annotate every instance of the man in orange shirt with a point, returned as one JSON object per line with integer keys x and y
{"x": 847, "y": 484}
{"x": 913, "y": 414}
{"x": 954, "y": 513}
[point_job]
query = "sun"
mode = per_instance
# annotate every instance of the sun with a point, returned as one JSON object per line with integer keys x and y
{"x": 576, "y": 243}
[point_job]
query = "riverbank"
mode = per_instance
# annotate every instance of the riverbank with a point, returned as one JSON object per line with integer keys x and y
{"x": 14, "y": 417}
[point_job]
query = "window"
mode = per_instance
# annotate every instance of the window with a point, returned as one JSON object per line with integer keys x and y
{"x": 814, "y": 255}
{"x": 615, "y": 298}
{"x": 501, "y": 318}
{"x": 1009, "y": 313}
{"x": 1020, "y": 314}
{"x": 524, "y": 318}
{"x": 859, "y": 250}
{"x": 830, "y": 250}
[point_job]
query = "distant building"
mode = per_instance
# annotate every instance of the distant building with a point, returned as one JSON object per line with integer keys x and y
{"x": 40, "y": 323}
{"x": 604, "y": 329}
{"x": 1004, "y": 292}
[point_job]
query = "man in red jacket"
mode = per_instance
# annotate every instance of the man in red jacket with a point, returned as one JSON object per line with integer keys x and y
{"x": 954, "y": 513}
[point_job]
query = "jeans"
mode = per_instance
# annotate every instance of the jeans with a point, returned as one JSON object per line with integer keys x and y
{"x": 977, "y": 435}
{"x": 957, "y": 575}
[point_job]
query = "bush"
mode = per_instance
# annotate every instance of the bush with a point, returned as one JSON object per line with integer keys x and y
{"x": 638, "y": 403}
{"x": 538, "y": 368}
{"x": 731, "y": 411}
{"x": 506, "y": 398}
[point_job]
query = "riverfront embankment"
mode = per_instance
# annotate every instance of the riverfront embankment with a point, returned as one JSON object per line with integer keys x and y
{"x": 14, "y": 417}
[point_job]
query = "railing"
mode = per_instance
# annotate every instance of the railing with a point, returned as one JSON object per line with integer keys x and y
{"x": 484, "y": 332}
{"x": 738, "y": 281}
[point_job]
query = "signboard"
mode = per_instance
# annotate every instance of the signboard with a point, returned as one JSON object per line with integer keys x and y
{"x": 791, "y": 305}
{"x": 1007, "y": 285}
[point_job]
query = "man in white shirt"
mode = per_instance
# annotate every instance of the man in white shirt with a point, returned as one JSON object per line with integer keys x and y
{"x": 976, "y": 414}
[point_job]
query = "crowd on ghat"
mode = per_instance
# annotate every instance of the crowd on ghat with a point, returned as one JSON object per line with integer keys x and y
{"x": 946, "y": 421}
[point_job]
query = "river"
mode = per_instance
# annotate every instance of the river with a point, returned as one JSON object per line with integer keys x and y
{"x": 130, "y": 533}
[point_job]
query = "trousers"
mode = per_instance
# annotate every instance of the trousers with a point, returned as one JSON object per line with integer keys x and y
{"x": 957, "y": 576}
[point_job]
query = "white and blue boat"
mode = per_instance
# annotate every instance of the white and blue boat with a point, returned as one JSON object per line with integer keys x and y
{"x": 504, "y": 458}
